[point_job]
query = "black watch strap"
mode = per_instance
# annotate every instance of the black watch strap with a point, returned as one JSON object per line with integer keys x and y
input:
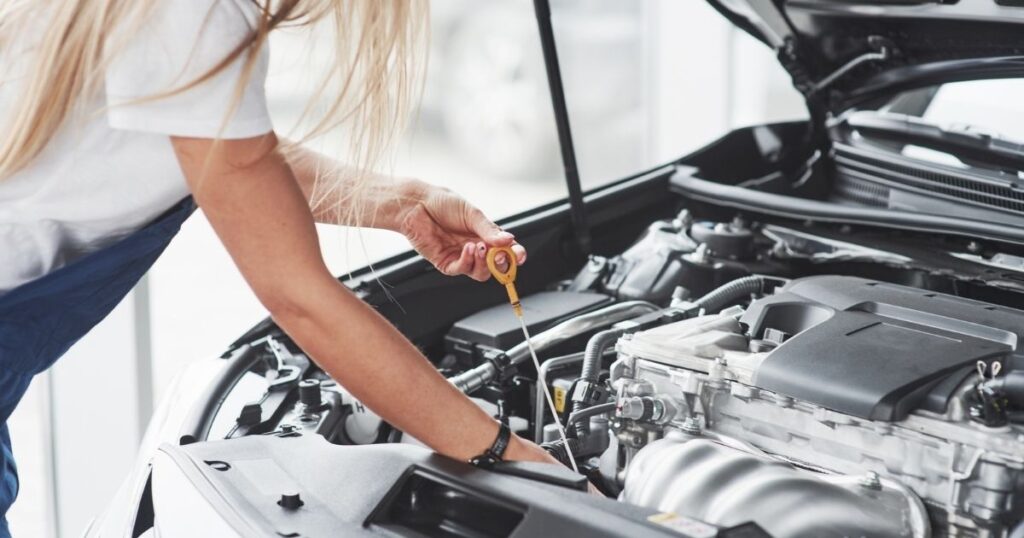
{"x": 496, "y": 452}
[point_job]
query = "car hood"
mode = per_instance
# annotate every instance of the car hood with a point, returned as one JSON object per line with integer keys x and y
{"x": 843, "y": 53}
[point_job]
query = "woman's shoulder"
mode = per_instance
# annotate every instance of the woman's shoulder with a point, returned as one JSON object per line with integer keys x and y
{"x": 217, "y": 14}
{"x": 180, "y": 75}
{"x": 185, "y": 33}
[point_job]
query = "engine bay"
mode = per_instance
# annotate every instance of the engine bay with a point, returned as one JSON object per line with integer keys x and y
{"x": 746, "y": 376}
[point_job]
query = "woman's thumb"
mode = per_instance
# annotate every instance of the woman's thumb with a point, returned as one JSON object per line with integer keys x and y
{"x": 488, "y": 230}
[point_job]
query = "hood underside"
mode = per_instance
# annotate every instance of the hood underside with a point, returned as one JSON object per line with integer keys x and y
{"x": 843, "y": 53}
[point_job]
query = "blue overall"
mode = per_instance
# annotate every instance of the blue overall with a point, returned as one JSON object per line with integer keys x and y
{"x": 41, "y": 319}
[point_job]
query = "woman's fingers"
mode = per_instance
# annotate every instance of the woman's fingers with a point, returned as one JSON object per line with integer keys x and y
{"x": 501, "y": 259}
{"x": 472, "y": 261}
{"x": 481, "y": 272}
{"x": 463, "y": 264}
{"x": 520, "y": 251}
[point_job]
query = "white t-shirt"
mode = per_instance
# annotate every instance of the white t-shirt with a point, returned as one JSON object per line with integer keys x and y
{"x": 112, "y": 170}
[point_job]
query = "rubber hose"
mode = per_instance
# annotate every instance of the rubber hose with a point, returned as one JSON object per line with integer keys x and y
{"x": 591, "y": 370}
{"x": 591, "y": 411}
{"x": 1011, "y": 385}
{"x": 557, "y": 450}
{"x": 728, "y": 293}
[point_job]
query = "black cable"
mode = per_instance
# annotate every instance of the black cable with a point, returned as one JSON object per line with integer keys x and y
{"x": 567, "y": 409}
{"x": 557, "y": 450}
{"x": 590, "y": 372}
{"x": 728, "y": 294}
{"x": 591, "y": 411}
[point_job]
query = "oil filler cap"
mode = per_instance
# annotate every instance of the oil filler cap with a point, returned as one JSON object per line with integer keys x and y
{"x": 290, "y": 501}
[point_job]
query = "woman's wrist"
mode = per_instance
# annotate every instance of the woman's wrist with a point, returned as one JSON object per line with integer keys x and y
{"x": 412, "y": 190}
{"x": 408, "y": 194}
{"x": 517, "y": 450}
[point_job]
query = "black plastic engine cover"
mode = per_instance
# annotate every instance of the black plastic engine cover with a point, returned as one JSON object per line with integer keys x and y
{"x": 498, "y": 328}
{"x": 302, "y": 486}
{"x": 877, "y": 350}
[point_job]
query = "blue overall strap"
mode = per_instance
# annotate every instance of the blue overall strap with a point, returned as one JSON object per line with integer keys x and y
{"x": 41, "y": 319}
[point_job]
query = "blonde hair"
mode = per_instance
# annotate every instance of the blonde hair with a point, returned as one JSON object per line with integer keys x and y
{"x": 370, "y": 87}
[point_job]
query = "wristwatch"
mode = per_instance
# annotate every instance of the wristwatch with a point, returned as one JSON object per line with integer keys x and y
{"x": 496, "y": 452}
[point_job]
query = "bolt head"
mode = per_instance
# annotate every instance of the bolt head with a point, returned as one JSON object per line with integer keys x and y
{"x": 691, "y": 426}
{"x": 871, "y": 481}
{"x": 290, "y": 501}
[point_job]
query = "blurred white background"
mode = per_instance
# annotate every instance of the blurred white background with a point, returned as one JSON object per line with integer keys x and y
{"x": 646, "y": 82}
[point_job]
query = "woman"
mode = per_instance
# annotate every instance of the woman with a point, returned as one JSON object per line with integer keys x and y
{"x": 116, "y": 111}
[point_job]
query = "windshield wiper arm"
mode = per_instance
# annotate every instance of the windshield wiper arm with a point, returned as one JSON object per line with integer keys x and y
{"x": 962, "y": 142}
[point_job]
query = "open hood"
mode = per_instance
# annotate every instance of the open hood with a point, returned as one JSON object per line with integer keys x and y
{"x": 842, "y": 53}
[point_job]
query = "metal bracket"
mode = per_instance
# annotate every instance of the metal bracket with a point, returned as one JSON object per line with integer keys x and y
{"x": 286, "y": 375}
{"x": 881, "y": 51}
{"x": 502, "y": 365}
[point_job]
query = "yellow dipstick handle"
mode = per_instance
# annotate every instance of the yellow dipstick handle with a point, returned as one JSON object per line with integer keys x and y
{"x": 506, "y": 277}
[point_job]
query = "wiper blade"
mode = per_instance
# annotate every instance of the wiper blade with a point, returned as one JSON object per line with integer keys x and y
{"x": 962, "y": 142}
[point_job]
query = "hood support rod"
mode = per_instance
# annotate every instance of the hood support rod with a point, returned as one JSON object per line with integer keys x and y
{"x": 577, "y": 209}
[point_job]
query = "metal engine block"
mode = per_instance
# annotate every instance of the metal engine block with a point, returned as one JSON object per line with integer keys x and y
{"x": 730, "y": 435}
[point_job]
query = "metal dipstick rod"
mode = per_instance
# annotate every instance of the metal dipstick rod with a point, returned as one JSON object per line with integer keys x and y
{"x": 508, "y": 279}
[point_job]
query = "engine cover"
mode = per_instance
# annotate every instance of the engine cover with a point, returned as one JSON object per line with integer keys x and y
{"x": 876, "y": 350}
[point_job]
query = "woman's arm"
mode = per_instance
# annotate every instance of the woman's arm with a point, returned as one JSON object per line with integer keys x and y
{"x": 249, "y": 194}
{"x": 386, "y": 199}
{"x": 442, "y": 226}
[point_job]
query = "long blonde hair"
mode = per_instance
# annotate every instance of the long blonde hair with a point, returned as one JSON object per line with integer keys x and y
{"x": 370, "y": 87}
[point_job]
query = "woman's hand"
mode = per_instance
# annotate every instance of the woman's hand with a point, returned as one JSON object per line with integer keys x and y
{"x": 520, "y": 449}
{"x": 452, "y": 234}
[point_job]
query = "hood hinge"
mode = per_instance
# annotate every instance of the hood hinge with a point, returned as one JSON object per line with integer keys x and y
{"x": 881, "y": 49}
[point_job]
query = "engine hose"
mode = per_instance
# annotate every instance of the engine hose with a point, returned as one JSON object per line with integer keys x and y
{"x": 727, "y": 294}
{"x": 558, "y": 451}
{"x": 591, "y": 370}
{"x": 1011, "y": 385}
{"x": 591, "y": 411}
